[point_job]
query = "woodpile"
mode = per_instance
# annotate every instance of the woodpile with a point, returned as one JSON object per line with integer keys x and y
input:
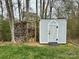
{"x": 25, "y": 31}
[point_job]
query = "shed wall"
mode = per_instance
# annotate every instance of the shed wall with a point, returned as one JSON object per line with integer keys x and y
{"x": 62, "y": 29}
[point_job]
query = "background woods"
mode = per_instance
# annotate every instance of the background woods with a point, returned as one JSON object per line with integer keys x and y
{"x": 21, "y": 20}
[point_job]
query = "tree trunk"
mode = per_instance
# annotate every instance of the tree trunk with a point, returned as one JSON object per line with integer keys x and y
{"x": 1, "y": 5}
{"x": 12, "y": 21}
{"x": 37, "y": 7}
{"x": 1, "y": 9}
{"x": 27, "y": 5}
{"x": 36, "y": 20}
{"x": 50, "y": 9}
{"x": 19, "y": 9}
{"x": 23, "y": 10}
{"x": 41, "y": 10}
{"x": 12, "y": 33}
{"x": 9, "y": 7}
{"x": 46, "y": 9}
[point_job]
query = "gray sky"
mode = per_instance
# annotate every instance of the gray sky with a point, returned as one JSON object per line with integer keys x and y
{"x": 32, "y": 7}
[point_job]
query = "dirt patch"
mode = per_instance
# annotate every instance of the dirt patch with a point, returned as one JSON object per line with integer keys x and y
{"x": 17, "y": 44}
{"x": 34, "y": 44}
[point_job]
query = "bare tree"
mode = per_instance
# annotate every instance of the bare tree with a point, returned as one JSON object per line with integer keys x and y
{"x": 9, "y": 7}
{"x": 51, "y": 2}
{"x": 22, "y": 9}
{"x": 46, "y": 9}
{"x": 12, "y": 20}
{"x": 1, "y": 5}
{"x": 78, "y": 7}
{"x": 37, "y": 7}
{"x": 19, "y": 9}
{"x": 27, "y": 5}
{"x": 41, "y": 10}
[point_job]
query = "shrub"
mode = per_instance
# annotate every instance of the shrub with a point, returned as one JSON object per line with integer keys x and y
{"x": 5, "y": 30}
{"x": 73, "y": 27}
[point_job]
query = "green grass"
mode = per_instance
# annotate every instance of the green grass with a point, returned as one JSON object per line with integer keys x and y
{"x": 47, "y": 52}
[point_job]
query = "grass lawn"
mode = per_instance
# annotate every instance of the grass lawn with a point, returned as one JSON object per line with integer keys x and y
{"x": 34, "y": 52}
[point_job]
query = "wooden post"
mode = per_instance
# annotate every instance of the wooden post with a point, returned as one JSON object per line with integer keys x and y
{"x": 27, "y": 31}
{"x": 35, "y": 31}
{"x": 36, "y": 17}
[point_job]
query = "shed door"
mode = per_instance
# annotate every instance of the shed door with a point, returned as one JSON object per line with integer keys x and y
{"x": 53, "y": 32}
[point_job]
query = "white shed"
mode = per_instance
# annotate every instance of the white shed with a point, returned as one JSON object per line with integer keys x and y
{"x": 53, "y": 30}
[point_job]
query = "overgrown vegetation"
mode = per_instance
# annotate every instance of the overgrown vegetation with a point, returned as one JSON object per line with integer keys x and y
{"x": 48, "y": 52}
{"x": 5, "y": 30}
{"x": 73, "y": 27}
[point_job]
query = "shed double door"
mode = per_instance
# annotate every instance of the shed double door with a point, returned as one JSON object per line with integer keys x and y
{"x": 53, "y": 33}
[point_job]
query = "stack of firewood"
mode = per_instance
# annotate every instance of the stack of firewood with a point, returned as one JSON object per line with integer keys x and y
{"x": 24, "y": 31}
{"x": 20, "y": 30}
